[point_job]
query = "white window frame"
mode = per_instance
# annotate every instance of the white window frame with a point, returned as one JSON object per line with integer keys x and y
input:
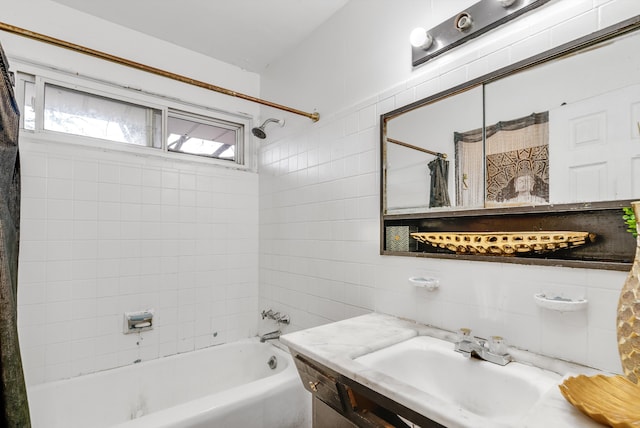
{"x": 215, "y": 121}
{"x": 245, "y": 152}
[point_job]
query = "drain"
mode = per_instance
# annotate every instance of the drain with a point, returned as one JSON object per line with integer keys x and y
{"x": 273, "y": 362}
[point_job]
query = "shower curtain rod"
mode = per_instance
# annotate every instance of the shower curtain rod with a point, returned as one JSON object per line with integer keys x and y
{"x": 123, "y": 61}
{"x": 420, "y": 149}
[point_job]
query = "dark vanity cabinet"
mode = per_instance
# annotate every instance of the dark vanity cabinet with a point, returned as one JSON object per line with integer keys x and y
{"x": 321, "y": 382}
{"x": 340, "y": 402}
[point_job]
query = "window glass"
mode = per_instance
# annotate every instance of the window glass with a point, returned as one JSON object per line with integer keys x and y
{"x": 199, "y": 136}
{"x": 29, "y": 111}
{"x": 80, "y": 113}
{"x": 49, "y": 106}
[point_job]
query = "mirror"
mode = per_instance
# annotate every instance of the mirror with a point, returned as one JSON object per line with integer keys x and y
{"x": 414, "y": 174}
{"x": 593, "y": 105}
{"x": 562, "y": 130}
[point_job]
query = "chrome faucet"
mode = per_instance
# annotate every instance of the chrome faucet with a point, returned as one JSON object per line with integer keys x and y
{"x": 276, "y": 316}
{"x": 270, "y": 336}
{"x": 279, "y": 319}
{"x": 469, "y": 346}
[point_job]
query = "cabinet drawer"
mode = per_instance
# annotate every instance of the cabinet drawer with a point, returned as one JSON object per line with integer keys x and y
{"x": 319, "y": 382}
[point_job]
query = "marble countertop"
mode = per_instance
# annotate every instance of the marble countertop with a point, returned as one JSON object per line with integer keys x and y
{"x": 336, "y": 345}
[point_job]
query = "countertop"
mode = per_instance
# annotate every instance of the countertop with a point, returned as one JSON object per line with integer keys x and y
{"x": 337, "y": 344}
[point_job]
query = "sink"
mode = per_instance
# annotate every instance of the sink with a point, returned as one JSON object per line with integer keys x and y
{"x": 503, "y": 394}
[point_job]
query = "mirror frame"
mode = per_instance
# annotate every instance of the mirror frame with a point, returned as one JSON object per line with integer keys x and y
{"x": 615, "y": 247}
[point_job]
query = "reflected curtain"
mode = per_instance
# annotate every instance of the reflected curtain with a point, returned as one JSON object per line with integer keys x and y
{"x": 469, "y": 168}
{"x": 439, "y": 192}
{"x": 15, "y": 408}
{"x": 486, "y": 174}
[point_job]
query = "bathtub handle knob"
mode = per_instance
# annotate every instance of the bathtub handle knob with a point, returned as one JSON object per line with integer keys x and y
{"x": 313, "y": 386}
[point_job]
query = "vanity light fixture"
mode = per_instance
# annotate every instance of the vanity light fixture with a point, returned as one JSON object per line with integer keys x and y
{"x": 466, "y": 25}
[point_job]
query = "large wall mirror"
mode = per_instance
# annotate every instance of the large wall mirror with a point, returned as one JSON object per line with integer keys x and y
{"x": 559, "y": 131}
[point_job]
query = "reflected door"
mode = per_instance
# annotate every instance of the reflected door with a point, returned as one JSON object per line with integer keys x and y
{"x": 595, "y": 147}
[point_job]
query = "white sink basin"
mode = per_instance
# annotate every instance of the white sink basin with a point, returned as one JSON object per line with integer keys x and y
{"x": 502, "y": 394}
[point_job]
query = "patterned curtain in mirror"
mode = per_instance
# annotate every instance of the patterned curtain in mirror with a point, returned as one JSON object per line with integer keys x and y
{"x": 510, "y": 169}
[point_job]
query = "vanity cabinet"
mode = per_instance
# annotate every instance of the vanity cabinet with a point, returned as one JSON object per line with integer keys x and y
{"x": 326, "y": 417}
{"x": 319, "y": 381}
{"x": 340, "y": 402}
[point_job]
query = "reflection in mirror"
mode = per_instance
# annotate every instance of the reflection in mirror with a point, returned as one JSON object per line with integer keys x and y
{"x": 593, "y": 103}
{"x": 557, "y": 132}
{"x": 417, "y": 180}
{"x": 511, "y": 168}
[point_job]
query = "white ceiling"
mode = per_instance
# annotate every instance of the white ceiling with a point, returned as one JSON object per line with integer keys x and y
{"x": 248, "y": 33}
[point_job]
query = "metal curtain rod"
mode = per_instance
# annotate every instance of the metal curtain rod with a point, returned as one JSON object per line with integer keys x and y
{"x": 420, "y": 149}
{"x": 122, "y": 61}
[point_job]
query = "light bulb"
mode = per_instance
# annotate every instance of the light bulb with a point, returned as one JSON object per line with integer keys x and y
{"x": 419, "y": 38}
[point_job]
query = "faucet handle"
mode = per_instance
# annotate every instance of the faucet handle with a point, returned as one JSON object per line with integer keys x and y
{"x": 497, "y": 345}
{"x": 463, "y": 334}
{"x": 284, "y": 319}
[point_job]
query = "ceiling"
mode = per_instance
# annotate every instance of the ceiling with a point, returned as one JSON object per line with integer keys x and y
{"x": 250, "y": 34}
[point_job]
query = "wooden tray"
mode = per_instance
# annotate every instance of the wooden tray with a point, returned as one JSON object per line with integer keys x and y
{"x": 610, "y": 400}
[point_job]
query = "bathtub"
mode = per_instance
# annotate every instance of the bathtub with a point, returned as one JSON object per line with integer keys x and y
{"x": 230, "y": 385}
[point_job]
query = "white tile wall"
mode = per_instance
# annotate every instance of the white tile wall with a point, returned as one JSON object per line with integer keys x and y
{"x": 319, "y": 201}
{"x": 105, "y": 233}
{"x": 319, "y": 262}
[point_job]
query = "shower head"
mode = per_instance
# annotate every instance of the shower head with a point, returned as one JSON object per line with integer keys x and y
{"x": 259, "y": 131}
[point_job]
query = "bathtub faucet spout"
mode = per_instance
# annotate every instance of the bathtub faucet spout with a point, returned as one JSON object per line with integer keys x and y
{"x": 270, "y": 336}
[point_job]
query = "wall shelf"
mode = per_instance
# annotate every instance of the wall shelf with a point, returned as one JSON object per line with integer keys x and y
{"x": 612, "y": 249}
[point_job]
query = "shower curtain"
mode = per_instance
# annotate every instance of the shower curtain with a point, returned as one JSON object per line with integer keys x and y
{"x": 439, "y": 192}
{"x": 485, "y": 173}
{"x": 15, "y": 408}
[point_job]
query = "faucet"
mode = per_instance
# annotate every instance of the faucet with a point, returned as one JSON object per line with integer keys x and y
{"x": 270, "y": 336}
{"x": 279, "y": 319}
{"x": 276, "y": 316}
{"x": 494, "y": 352}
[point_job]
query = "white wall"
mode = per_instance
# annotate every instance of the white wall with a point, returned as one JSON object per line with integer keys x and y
{"x": 105, "y": 232}
{"x": 319, "y": 184}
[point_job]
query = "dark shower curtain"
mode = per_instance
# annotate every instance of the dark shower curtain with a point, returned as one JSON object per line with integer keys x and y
{"x": 439, "y": 192}
{"x": 15, "y": 408}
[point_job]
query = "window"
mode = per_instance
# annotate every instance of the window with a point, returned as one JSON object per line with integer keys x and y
{"x": 101, "y": 112}
{"x": 198, "y": 135}
{"x": 81, "y": 113}
{"x": 29, "y": 112}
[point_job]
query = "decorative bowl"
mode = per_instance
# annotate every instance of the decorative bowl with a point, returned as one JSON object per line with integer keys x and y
{"x": 610, "y": 400}
{"x": 504, "y": 243}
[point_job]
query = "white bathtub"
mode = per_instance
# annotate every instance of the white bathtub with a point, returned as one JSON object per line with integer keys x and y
{"x": 223, "y": 386}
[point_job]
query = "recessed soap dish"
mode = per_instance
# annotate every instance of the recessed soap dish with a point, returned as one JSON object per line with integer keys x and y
{"x": 558, "y": 303}
{"x": 136, "y": 322}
